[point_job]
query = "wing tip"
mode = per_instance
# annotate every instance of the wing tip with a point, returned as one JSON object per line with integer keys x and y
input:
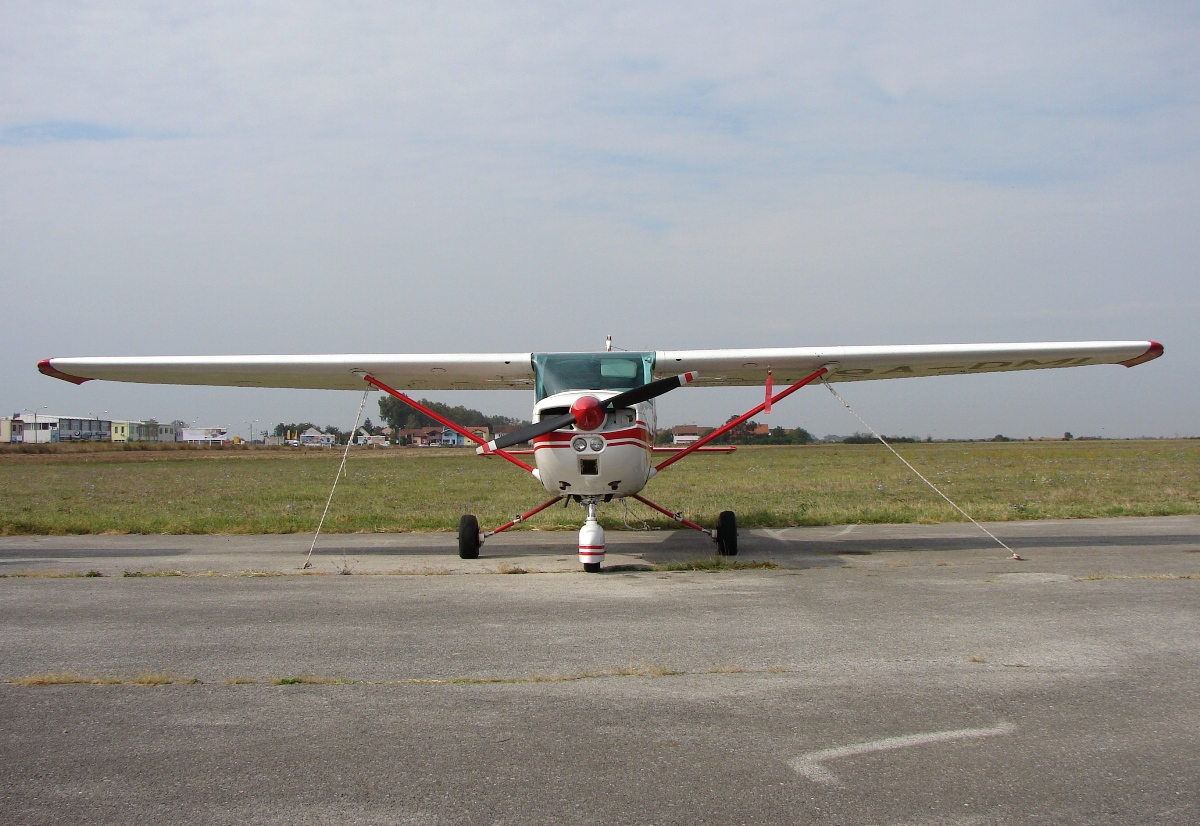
{"x": 1152, "y": 352}
{"x": 47, "y": 369}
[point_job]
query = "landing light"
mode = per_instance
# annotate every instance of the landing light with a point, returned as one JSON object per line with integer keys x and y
{"x": 596, "y": 443}
{"x": 579, "y": 444}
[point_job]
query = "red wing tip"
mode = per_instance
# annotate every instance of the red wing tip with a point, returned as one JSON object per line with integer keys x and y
{"x": 1152, "y": 352}
{"x": 46, "y": 369}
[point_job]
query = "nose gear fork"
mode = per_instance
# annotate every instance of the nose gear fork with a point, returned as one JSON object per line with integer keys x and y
{"x": 591, "y": 540}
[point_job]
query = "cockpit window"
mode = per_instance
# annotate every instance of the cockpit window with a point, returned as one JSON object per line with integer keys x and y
{"x": 559, "y": 372}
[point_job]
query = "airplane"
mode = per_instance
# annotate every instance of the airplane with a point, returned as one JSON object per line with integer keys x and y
{"x": 594, "y": 417}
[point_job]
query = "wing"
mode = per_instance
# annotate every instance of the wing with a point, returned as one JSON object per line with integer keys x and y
{"x": 496, "y": 371}
{"x": 749, "y": 367}
{"x": 458, "y": 371}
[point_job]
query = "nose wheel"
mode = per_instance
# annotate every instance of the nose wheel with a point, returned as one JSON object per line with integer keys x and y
{"x": 591, "y": 541}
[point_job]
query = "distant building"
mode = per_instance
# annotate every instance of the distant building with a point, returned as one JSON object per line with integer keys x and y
{"x": 451, "y": 438}
{"x": 315, "y": 438}
{"x": 685, "y": 434}
{"x": 33, "y": 428}
{"x": 59, "y": 429}
{"x": 207, "y": 436}
{"x": 421, "y": 436}
{"x": 152, "y": 431}
{"x": 45, "y": 428}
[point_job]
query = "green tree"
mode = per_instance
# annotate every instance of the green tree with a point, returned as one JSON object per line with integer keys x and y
{"x": 282, "y": 429}
{"x": 402, "y": 417}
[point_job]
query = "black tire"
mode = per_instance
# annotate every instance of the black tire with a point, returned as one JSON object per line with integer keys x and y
{"x": 727, "y": 534}
{"x": 591, "y": 567}
{"x": 468, "y": 537}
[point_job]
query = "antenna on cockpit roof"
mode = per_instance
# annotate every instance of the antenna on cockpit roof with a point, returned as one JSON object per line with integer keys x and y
{"x": 608, "y": 344}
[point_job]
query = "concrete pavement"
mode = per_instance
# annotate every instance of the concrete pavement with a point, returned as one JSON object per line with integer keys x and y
{"x": 884, "y": 674}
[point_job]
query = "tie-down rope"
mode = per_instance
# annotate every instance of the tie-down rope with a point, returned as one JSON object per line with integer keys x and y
{"x": 846, "y": 405}
{"x": 338, "y": 475}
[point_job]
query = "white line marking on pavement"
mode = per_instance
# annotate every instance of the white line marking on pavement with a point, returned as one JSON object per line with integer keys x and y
{"x": 810, "y": 766}
{"x": 775, "y": 534}
{"x": 844, "y": 531}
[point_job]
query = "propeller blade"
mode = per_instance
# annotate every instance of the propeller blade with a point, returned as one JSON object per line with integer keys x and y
{"x": 527, "y": 433}
{"x": 650, "y": 391}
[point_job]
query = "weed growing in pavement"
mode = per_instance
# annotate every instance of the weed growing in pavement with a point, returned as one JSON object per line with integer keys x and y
{"x": 313, "y": 679}
{"x": 713, "y": 563}
{"x": 1097, "y": 577}
{"x": 145, "y": 678}
{"x": 51, "y": 575}
{"x": 647, "y": 669}
{"x": 161, "y": 678}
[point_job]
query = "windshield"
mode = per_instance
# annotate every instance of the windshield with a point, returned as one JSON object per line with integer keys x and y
{"x": 559, "y": 372}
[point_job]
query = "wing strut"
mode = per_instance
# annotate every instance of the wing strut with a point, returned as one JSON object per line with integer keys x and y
{"x": 437, "y": 417}
{"x": 725, "y": 428}
{"x": 678, "y": 517}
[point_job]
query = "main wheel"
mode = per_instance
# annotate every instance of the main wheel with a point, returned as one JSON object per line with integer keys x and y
{"x": 727, "y": 534}
{"x": 591, "y": 567}
{"x": 468, "y": 537}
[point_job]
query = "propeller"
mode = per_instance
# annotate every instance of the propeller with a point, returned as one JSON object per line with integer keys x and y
{"x": 588, "y": 412}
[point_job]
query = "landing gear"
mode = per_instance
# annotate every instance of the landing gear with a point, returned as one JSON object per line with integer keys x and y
{"x": 591, "y": 540}
{"x": 727, "y": 534}
{"x": 468, "y": 537}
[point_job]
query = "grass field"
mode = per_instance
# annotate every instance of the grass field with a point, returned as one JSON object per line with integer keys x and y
{"x": 284, "y": 490}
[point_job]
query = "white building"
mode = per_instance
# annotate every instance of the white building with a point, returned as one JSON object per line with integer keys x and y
{"x": 208, "y": 436}
{"x": 31, "y": 428}
{"x": 315, "y": 438}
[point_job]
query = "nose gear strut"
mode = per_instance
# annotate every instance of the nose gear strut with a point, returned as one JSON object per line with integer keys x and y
{"x": 591, "y": 540}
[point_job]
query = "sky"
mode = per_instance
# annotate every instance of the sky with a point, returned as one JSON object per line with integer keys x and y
{"x": 295, "y": 177}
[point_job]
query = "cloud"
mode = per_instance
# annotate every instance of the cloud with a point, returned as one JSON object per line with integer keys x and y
{"x": 59, "y": 131}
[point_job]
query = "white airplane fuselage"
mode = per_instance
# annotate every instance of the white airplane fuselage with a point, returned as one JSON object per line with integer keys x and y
{"x": 611, "y": 461}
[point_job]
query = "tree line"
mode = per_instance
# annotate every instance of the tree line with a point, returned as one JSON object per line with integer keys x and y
{"x": 400, "y": 416}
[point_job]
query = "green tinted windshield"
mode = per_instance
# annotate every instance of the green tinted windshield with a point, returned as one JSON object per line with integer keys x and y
{"x": 559, "y": 372}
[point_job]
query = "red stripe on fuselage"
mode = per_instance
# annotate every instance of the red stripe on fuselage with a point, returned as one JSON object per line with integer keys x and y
{"x": 623, "y": 443}
{"x": 568, "y": 435}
